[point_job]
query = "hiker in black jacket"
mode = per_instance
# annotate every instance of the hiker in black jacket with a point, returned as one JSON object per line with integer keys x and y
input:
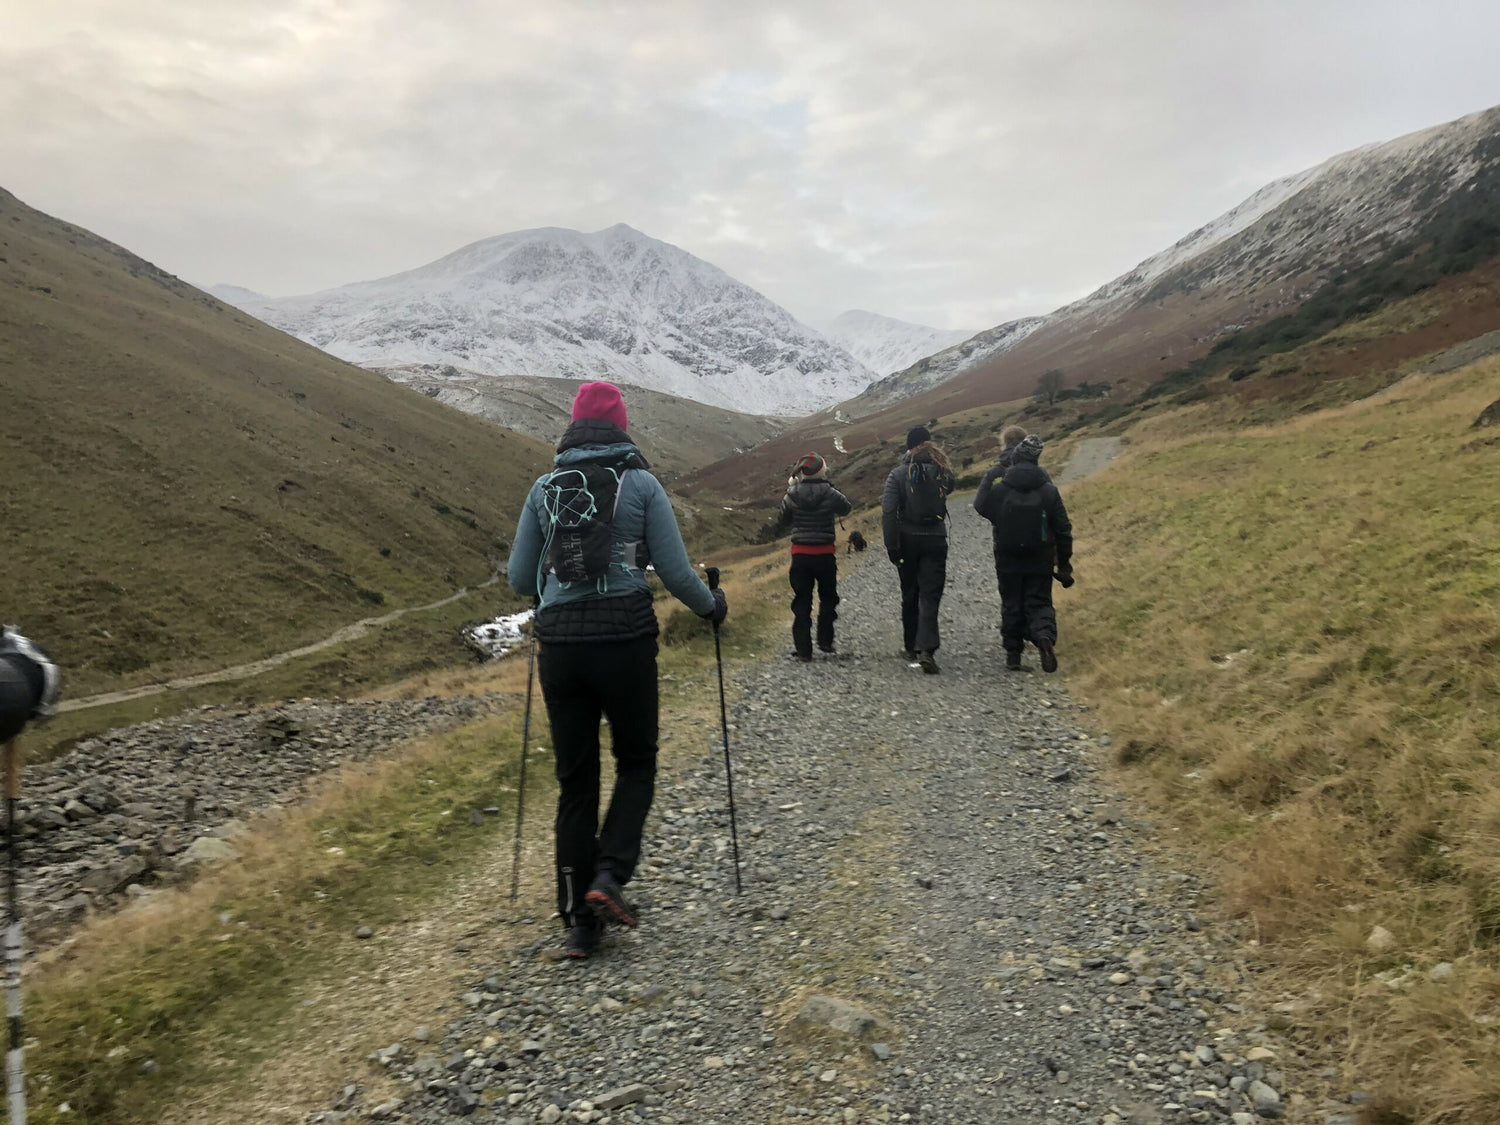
{"x": 810, "y": 506}
{"x": 915, "y": 522}
{"x": 1032, "y": 536}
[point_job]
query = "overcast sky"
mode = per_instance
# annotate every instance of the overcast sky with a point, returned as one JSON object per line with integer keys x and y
{"x": 956, "y": 164}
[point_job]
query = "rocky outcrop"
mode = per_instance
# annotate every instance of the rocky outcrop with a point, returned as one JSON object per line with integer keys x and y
{"x": 149, "y": 804}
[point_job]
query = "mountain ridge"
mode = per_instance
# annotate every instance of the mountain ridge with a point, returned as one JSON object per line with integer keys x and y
{"x": 885, "y": 344}
{"x": 1292, "y": 261}
{"x": 1261, "y": 257}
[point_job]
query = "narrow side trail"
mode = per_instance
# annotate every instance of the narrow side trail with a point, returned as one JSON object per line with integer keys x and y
{"x": 342, "y": 635}
{"x": 935, "y": 850}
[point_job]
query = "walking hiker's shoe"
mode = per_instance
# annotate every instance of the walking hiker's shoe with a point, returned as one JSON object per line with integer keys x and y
{"x": 607, "y": 901}
{"x": 928, "y": 663}
{"x": 1049, "y": 658}
{"x": 828, "y": 648}
{"x": 582, "y": 940}
{"x": 1013, "y": 662}
{"x": 803, "y": 657}
{"x": 911, "y": 656}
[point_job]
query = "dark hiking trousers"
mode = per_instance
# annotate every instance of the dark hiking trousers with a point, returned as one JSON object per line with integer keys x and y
{"x": 923, "y": 571}
{"x": 1026, "y": 612}
{"x": 808, "y": 571}
{"x": 581, "y": 683}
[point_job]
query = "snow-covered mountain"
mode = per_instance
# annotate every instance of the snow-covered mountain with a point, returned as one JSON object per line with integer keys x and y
{"x": 885, "y": 344}
{"x": 1257, "y": 260}
{"x": 941, "y": 366}
{"x": 614, "y": 304}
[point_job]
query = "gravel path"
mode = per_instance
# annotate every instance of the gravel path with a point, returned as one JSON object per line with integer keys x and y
{"x": 936, "y": 852}
{"x": 1091, "y": 455}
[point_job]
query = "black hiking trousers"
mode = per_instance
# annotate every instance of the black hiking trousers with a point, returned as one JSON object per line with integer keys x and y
{"x": 1026, "y": 612}
{"x": 582, "y": 683}
{"x": 808, "y": 571}
{"x": 923, "y": 571}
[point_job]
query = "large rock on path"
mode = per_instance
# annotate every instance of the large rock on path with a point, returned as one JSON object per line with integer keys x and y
{"x": 836, "y": 1015}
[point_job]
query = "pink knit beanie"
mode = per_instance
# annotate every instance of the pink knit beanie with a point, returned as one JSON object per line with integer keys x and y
{"x": 602, "y": 401}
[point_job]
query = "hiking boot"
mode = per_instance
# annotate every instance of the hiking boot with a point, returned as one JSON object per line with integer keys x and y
{"x": 607, "y": 900}
{"x": 1013, "y": 662}
{"x": 928, "y": 663}
{"x": 803, "y": 657}
{"x": 910, "y": 654}
{"x": 582, "y": 940}
{"x": 828, "y": 648}
{"x": 1049, "y": 658}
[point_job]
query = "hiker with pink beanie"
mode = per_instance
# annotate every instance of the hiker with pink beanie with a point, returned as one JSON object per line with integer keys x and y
{"x": 585, "y": 537}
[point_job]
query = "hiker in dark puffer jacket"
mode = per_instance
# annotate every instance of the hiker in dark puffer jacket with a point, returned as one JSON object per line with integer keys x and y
{"x": 810, "y": 506}
{"x": 1032, "y": 535}
{"x": 598, "y": 659}
{"x": 915, "y": 523}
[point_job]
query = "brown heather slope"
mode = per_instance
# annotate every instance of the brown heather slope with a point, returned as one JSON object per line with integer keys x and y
{"x": 185, "y": 487}
{"x": 1298, "y": 261}
{"x": 1353, "y": 360}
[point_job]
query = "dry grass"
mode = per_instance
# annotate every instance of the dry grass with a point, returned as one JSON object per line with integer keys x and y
{"x": 1299, "y": 628}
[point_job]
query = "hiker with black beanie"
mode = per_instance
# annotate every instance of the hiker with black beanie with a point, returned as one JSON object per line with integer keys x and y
{"x": 915, "y": 522}
{"x": 1032, "y": 538}
{"x": 581, "y": 546}
{"x": 810, "y": 506}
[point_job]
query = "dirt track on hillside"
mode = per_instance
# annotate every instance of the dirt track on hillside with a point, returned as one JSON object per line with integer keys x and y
{"x": 1091, "y": 455}
{"x": 350, "y": 632}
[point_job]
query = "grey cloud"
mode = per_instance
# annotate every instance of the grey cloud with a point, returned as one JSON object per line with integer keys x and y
{"x": 955, "y": 164}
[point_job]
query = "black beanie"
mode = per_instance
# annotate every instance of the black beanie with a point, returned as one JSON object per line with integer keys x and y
{"x": 917, "y": 435}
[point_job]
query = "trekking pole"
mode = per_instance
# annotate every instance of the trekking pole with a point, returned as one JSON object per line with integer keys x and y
{"x": 515, "y": 850}
{"x": 734, "y": 834}
{"x": 15, "y": 1056}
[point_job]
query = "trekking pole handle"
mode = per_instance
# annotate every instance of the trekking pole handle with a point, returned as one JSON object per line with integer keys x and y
{"x": 713, "y": 577}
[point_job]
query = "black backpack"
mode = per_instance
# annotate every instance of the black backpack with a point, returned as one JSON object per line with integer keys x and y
{"x": 925, "y": 503}
{"x": 579, "y": 504}
{"x": 1021, "y": 527}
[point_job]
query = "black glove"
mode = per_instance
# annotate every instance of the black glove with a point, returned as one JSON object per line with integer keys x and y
{"x": 1064, "y": 576}
{"x": 721, "y": 606}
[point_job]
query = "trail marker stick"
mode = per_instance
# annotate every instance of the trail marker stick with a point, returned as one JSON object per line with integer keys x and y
{"x": 15, "y": 1055}
{"x": 515, "y": 851}
{"x": 734, "y": 834}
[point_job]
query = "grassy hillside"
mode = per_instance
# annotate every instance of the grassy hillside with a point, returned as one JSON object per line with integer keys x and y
{"x": 1294, "y": 634}
{"x": 186, "y": 487}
